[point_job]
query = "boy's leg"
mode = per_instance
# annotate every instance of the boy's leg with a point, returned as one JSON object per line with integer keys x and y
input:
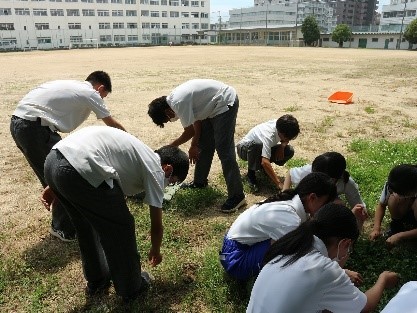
{"x": 224, "y": 130}
{"x": 206, "y": 146}
{"x": 106, "y": 213}
{"x": 288, "y": 154}
{"x": 35, "y": 142}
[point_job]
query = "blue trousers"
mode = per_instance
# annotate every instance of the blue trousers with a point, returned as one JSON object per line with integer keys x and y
{"x": 36, "y": 141}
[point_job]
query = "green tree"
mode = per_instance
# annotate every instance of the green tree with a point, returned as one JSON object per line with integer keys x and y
{"x": 310, "y": 30}
{"x": 410, "y": 33}
{"x": 341, "y": 34}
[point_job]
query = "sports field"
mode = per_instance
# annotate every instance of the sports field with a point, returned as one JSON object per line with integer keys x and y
{"x": 270, "y": 81}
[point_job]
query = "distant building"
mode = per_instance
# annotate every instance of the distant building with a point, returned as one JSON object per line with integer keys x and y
{"x": 398, "y": 13}
{"x": 52, "y": 24}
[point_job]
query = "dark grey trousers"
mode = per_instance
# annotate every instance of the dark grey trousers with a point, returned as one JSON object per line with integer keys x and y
{"x": 105, "y": 227}
{"x": 252, "y": 152}
{"x": 35, "y": 141}
{"x": 218, "y": 133}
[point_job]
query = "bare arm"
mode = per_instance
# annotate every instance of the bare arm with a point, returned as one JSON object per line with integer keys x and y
{"x": 379, "y": 215}
{"x": 266, "y": 164}
{"x": 280, "y": 150}
{"x": 374, "y": 294}
{"x": 157, "y": 231}
{"x": 110, "y": 121}
{"x": 194, "y": 152}
{"x": 186, "y": 135}
{"x": 287, "y": 181}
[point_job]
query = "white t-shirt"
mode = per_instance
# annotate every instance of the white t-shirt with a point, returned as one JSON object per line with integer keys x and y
{"x": 267, "y": 221}
{"x": 62, "y": 104}
{"x": 265, "y": 134}
{"x": 312, "y": 284}
{"x": 405, "y": 301}
{"x": 198, "y": 99}
{"x": 350, "y": 189}
{"x": 385, "y": 194}
{"x": 102, "y": 153}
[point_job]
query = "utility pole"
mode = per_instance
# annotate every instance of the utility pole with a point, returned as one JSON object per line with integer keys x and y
{"x": 220, "y": 28}
{"x": 296, "y": 23}
{"x": 402, "y": 24}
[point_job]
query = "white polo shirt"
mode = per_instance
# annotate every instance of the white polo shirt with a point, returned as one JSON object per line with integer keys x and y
{"x": 268, "y": 221}
{"x": 102, "y": 153}
{"x": 312, "y": 284}
{"x": 62, "y": 104}
{"x": 265, "y": 134}
{"x": 405, "y": 301}
{"x": 350, "y": 189}
{"x": 198, "y": 99}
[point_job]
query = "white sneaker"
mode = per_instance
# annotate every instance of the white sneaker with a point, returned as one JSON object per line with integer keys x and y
{"x": 61, "y": 235}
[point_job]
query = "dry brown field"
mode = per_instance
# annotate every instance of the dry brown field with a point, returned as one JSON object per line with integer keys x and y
{"x": 270, "y": 81}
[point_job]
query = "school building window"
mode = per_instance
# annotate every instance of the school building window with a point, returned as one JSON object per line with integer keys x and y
{"x": 103, "y": 13}
{"x": 130, "y": 1}
{"x": 144, "y": 13}
{"x": 56, "y": 12}
{"x": 146, "y": 25}
{"x": 42, "y": 40}
{"x": 76, "y": 39}
{"x": 105, "y": 38}
{"x": 132, "y": 25}
{"x": 21, "y": 11}
{"x": 374, "y": 39}
{"x": 154, "y": 2}
{"x": 117, "y": 13}
{"x": 4, "y": 11}
{"x": 6, "y": 26}
{"x": 74, "y": 25}
{"x": 131, "y": 13}
{"x": 118, "y": 25}
{"x": 119, "y": 38}
{"x": 174, "y": 14}
{"x": 40, "y": 12}
{"x": 40, "y": 26}
{"x": 155, "y": 25}
{"x": 154, "y": 13}
{"x": 73, "y": 12}
{"x": 174, "y": 3}
{"x": 88, "y": 12}
{"x": 131, "y": 38}
{"x": 103, "y": 25}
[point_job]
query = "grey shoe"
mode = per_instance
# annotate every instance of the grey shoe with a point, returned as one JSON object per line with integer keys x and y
{"x": 233, "y": 204}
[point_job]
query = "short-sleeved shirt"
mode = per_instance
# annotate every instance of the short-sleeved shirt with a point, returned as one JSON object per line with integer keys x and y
{"x": 312, "y": 284}
{"x": 104, "y": 154}
{"x": 62, "y": 104}
{"x": 385, "y": 194}
{"x": 350, "y": 189}
{"x": 267, "y": 221}
{"x": 265, "y": 134}
{"x": 405, "y": 301}
{"x": 199, "y": 99}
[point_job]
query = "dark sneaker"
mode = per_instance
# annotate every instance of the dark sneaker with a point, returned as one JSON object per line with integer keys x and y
{"x": 233, "y": 204}
{"x": 61, "y": 235}
{"x": 145, "y": 285}
{"x": 252, "y": 184}
{"x": 97, "y": 291}
{"x": 193, "y": 185}
{"x": 396, "y": 226}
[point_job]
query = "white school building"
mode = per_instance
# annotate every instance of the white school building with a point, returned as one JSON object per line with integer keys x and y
{"x": 55, "y": 24}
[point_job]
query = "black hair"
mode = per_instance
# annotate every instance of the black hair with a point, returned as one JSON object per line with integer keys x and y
{"x": 288, "y": 126}
{"x": 100, "y": 77}
{"x": 333, "y": 164}
{"x": 402, "y": 179}
{"x": 177, "y": 158}
{"x": 332, "y": 221}
{"x": 318, "y": 183}
{"x": 156, "y": 110}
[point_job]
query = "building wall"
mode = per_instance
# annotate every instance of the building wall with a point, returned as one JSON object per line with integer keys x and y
{"x": 49, "y": 24}
{"x": 276, "y": 15}
{"x": 393, "y": 13}
{"x": 370, "y": 41}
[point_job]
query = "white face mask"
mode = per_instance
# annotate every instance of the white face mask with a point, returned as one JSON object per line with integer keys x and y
{"x": 337, "y": 259}
{"x": 174, "y": 119}
{"x": 166, "y": 180}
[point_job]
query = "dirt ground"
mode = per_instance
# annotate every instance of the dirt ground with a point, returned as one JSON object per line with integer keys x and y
{"x": 270, "y": 82}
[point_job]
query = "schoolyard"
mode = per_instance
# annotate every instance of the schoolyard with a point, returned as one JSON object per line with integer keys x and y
{"x": 41, "y": 274}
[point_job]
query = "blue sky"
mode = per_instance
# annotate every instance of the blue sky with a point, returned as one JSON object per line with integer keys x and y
{"x": 225, "y": 5}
